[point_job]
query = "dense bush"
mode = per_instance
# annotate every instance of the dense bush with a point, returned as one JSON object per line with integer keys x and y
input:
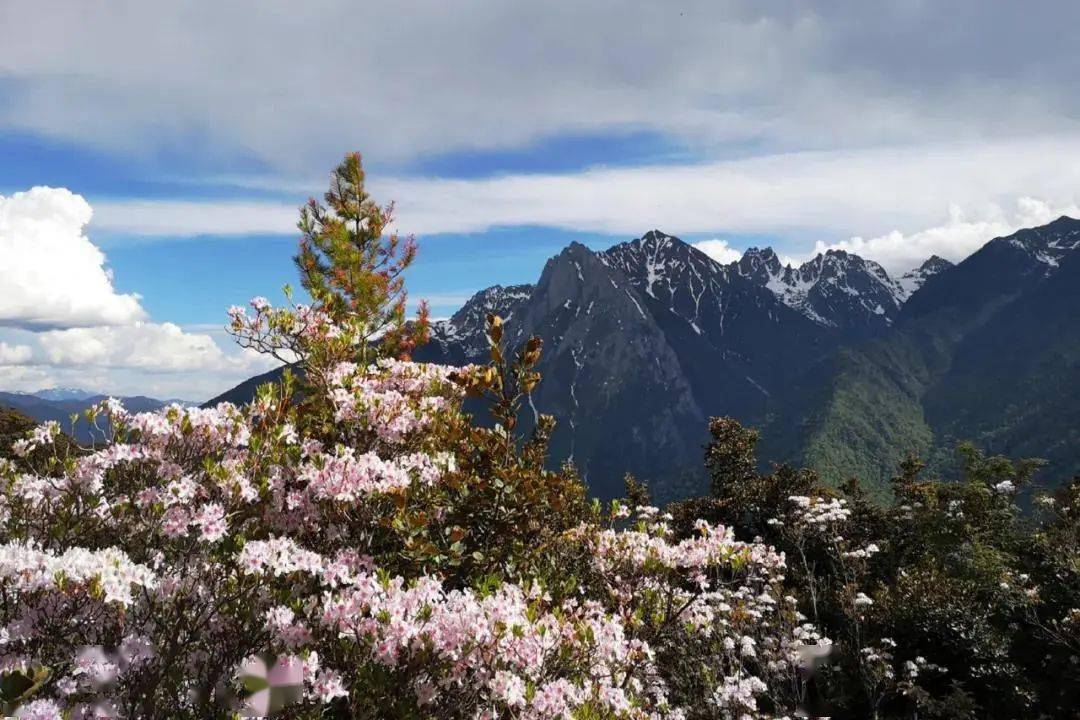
{"x": 950, "y": 602}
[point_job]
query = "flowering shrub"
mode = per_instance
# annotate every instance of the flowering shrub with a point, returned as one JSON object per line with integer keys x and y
{"x": 196, "y": 539}
{"x": 351, "y": 544}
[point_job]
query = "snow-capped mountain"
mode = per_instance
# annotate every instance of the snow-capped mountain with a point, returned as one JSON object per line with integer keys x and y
{"x": 834, "y": 289}
{"x": 461, "y": 338}
{"x": 1048, "y": 244}
{"x": 645, "y": 341}
{"x": 914, "y": 279}
{"x": 670, "y": 272}
{"x": 63, "y": 393}
{"x": 986, "y": 351}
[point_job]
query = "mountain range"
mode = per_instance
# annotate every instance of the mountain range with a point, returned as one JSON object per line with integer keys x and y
{"x": 60, "y": 404}
{"x": 841, "y": 366}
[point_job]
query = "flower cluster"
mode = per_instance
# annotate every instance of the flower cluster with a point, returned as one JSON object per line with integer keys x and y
{"x": 27, "y": 569}
{"x": 394, "y": 398}
{"x": 819, "y": 513}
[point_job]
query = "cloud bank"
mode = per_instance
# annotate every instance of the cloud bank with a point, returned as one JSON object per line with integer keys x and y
{"x": 955, "y": 239}
{"x": 221, "y": 84}
{"x": 877, "y": 202}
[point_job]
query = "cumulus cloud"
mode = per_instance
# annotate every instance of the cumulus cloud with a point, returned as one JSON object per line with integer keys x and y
{"x": 25, "y": 378}
{"x": 954, "y": 240}
{"x": 164, "y": 347}
{"x": 719, "y": 250}
{"x": 141, "y": 358}
{"x": 53, "y": 275}
{"x": 65, "y": 323}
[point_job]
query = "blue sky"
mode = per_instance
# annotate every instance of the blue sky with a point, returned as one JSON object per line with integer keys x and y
{"x": 503, "y": 132}
{"x": 190, "y": 279}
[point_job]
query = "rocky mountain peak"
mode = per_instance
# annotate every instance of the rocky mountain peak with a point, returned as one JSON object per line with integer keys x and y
{"x": 1048, "y": 244}
{"x": 498, "y": 299}
{"x": 463, "y": 335}
{"x": 759, "y": 265}
{"x": 834, "y": 289}
{"x": 912, "y": 280}
{"x": 665, "y": 269}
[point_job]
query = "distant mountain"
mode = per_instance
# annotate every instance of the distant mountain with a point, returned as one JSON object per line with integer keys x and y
{"x": 842, "y": 366}
{"x": 836, "y": 288}
{"x": 42, "y": 409}
{"x": 64, "y": 394}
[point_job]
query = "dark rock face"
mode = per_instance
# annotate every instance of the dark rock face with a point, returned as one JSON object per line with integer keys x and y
{"x": 642, "y": 344}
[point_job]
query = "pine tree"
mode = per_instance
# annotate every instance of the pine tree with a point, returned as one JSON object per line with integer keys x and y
{"x": 353, "y": 271}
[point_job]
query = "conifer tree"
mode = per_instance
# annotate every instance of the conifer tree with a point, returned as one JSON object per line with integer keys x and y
{"x": 353, "y": 271}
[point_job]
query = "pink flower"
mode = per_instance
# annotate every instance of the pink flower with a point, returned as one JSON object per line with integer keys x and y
{"x": 40, "y": 710}
{"x": 211, "y": 522}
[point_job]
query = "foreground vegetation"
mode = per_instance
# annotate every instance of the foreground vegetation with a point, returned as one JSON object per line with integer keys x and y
{"x": 352, "y": 545}
{"x": 947, "y": 602}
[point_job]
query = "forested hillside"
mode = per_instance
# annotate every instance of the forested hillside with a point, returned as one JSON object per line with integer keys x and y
{"x": 988, "y": 351}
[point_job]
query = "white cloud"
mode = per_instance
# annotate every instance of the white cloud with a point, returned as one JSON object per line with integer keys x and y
{"x": 25, "y": 378}
{"x": 719, "y": 250}
{"x": 839, "y": 193}
{"x": 53, "y": 275}
{"x": 185, "y": 218}
{"x": 14, "y": 354}
{"x": 144, "y": 358}
{"x": 808, "y": 196}
{"x": 163, "y": 347}
{"x": 960, "y": 236}
{"x": 64, "y": 323}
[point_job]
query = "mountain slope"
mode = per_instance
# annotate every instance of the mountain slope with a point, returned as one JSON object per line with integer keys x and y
{"x": 987, "y": 351}
{"x": 612, "y": 377}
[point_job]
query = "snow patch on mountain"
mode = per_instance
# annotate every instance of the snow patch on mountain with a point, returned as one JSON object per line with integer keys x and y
{"x": 1050, "y": 243}
{"x": 914, "y": 279}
